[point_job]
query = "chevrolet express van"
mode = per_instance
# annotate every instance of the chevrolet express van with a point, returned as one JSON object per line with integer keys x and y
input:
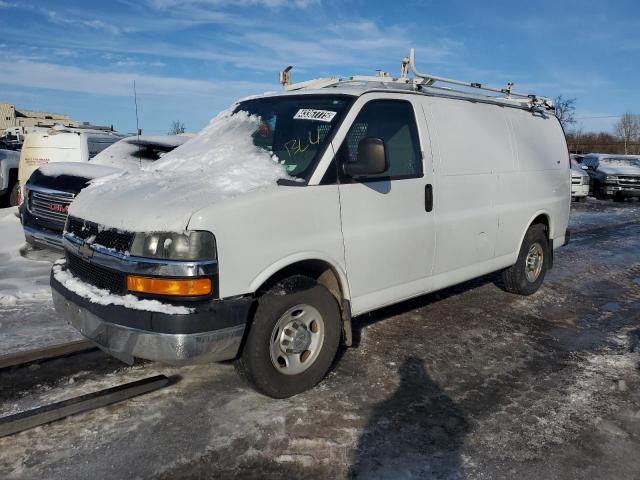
{"x": 394, "y": 188}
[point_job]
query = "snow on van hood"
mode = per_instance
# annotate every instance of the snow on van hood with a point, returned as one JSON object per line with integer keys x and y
{"x": 220, "y": 162}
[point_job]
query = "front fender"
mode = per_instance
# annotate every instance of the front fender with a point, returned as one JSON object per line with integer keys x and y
{"x": 290, "y": 260}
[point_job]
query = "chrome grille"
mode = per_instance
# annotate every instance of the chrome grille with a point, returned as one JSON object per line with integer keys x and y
{"x": 50, "y": 205}
{"x": 107, "y": 237}
{"x": 629, "y": 181}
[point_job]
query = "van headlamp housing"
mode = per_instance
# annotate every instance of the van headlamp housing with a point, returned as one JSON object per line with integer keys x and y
{"x": 187, "y": 245}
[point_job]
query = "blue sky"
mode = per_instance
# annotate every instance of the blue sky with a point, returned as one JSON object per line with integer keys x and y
{"x": 191, "y": 58}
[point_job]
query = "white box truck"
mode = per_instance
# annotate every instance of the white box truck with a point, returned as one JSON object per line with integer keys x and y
{"x": 391, "y": 188}
{"x": 61, "y": 144}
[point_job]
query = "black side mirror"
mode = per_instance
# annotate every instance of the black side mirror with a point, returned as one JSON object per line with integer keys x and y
{"x": 372, "y": 159}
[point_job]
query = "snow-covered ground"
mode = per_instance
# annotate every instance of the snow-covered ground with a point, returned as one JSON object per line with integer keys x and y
{"x": 27, "y": 317}
{"x": 469, "y": 382}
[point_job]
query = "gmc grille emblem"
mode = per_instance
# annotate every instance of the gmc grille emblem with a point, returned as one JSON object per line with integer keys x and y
{"x": 58, "y": 208}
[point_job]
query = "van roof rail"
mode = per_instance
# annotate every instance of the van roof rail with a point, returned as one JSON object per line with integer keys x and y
{"x": 418, "y": 81}
{"x": 428, "y": 80}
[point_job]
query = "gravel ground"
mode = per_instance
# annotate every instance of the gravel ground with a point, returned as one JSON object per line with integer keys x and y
{"x": 469, "y": 382}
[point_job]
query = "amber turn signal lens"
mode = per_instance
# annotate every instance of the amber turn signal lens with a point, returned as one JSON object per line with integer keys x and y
{"x": 166, "y": 286}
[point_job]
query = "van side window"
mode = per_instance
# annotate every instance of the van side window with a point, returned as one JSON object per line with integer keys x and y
{"x": 394, "y": 122}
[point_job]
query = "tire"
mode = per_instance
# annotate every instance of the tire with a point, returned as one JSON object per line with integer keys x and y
{"x": 581, "y": 199}
{"x": 13, "y": 196}
{"x": 519, "y": 278}
{"x": 264, "y": 363}
{"x": 618, "y": 198}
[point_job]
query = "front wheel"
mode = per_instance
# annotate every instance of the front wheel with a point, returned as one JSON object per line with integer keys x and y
{"x": 293, "y": 339}
{"x": 527, "y": 274}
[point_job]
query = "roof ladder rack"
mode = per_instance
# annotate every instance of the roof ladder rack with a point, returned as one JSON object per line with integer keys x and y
{"x": 428, "y": 80}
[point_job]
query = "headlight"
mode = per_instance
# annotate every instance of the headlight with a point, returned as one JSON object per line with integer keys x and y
{"x": 611, "y": 179}
{"x": 585, "y": 180}
{"x": 196, "y": 245}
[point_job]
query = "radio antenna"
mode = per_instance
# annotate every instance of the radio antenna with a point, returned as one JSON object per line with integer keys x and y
{"x": 135, "y": 101}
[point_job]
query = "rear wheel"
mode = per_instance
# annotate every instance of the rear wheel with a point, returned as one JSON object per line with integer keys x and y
{"x": 293, "y": 339}
{"x": 527, "y": 274}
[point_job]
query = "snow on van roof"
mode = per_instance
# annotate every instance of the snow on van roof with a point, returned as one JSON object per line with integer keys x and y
{"x": 218, "y": 163}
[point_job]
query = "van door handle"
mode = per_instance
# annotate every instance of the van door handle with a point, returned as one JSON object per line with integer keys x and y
{"x": 428, "y": 197}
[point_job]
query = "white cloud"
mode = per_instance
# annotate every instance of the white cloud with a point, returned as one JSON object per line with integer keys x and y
{"x": 28, "y": 74}
{"x": 164, "y": 4}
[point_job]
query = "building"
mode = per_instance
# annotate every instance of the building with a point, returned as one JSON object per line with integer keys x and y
{"x": 11, "y": 117}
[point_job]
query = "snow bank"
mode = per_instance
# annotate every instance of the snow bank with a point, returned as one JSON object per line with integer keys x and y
{"x": 104, "y": 297}
{"x": 21, "y": 279}
{"x": 219, "y": 163}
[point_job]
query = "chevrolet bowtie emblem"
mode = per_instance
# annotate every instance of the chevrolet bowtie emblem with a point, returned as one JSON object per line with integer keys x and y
{"x": 85, "y": 251}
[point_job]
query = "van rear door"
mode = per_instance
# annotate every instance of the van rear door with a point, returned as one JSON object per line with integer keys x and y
{"x": 388, "y": 234}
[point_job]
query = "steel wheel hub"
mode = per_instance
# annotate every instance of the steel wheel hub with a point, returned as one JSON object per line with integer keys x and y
{"x": 534, "y": 262}
{"x": 297, "y": 339}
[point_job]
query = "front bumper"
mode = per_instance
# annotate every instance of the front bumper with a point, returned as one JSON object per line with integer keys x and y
{"x": 622, "y": 191}
{"x": 39, "y": 231}
{"x": 579, "y": 190}
{"x": 42, "y": 238}
{"x": 212, "y": 332}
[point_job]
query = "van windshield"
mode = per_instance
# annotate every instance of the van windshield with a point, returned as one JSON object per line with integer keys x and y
{"x": 295, "y": 129}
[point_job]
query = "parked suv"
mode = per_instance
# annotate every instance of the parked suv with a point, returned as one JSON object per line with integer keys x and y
{"x": 613, "y": 176}
{"x": 52, "y": 187}
{"x": 262, "y": 237}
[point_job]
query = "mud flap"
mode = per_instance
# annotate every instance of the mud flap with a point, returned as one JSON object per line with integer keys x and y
{"x": 347, "y": 332}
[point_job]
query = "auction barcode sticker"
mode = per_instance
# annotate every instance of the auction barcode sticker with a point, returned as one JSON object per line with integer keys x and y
{"x": 311, "y": 114}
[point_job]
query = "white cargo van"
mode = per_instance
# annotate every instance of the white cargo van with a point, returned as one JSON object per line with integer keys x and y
{"x": 389, "y": 188}
{"x": 61, "y": 144}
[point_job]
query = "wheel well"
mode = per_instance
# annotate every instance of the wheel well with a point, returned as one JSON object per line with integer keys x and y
{"x": 321, "y": 271}
{"x": 543, "y": 220}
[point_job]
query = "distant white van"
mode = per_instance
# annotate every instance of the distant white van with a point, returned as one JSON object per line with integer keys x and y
{"x": 61, "y": 144}
{"x": 262, "y": 237}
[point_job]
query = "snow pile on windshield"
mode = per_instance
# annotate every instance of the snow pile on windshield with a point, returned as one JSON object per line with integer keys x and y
{"x": 218, "y": 163}
{"x": 104, "y": 297}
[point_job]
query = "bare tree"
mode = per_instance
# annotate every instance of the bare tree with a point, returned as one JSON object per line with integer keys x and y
{"x": 565, "y": 111}
{"x": 628, "y": 129}
{"x": 177, "y": 127}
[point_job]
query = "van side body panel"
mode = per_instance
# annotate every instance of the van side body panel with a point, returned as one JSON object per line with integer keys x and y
{"x": 261, "y": 232}
{"x": 541, "y": 183}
